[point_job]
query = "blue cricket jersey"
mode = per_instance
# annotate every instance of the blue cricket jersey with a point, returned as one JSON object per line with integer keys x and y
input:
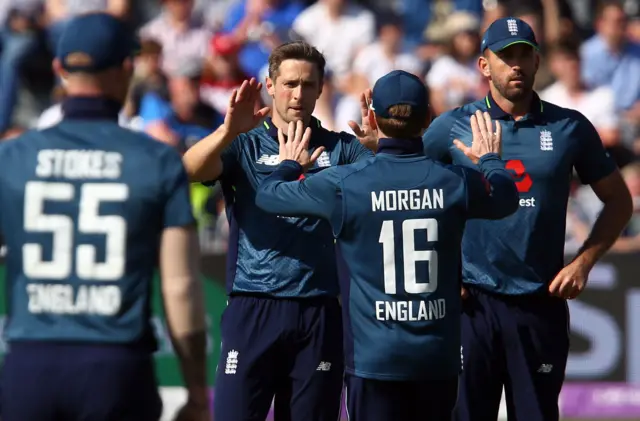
{"x": 398, "y": 218}
{"x": 521, "y": 254}
{"x": 82, "y": 207}
{"x": 274, "y": 255}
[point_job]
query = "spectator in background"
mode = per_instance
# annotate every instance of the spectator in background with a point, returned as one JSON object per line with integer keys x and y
{"x": 222, "y": 73}
{"x": 629, "y": 240}
{"x": 148, "y": 79}
{"x": 59, "y": 12}
{"x": 257, "y": 27}
{"x": 182, "y": 37}
{"x": 18, "y": 39}
{"x": 454, "y": 78}
{"x": 185, "y": 119}
{"x": 340, "y": 29}
{"x": 385, "y": 54}
{"x": 596, "y": 104}
{"x": 609, "y": 58}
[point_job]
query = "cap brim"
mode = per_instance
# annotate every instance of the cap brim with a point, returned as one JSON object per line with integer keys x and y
{"x": 502, "y": 45}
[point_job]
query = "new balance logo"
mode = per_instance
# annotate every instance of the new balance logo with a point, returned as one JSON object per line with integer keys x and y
{"x": 546, "y": 141}
{"x": 268, "y": 160}
{"x": 324, "y": 366}
{"x": 232, "y": 362}
{"x": 512, "y": 26}
{"x": 323, "y": 160}
{"x": 545, "y": 368}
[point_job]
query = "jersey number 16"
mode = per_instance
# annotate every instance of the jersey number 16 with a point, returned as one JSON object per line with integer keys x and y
{"x": 410, "y": 256}
{"x": 62, "y": 227}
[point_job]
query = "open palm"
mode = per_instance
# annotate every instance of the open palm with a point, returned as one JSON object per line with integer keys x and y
{"x": 366, "y": 135}
{"x": 241, "y": 113}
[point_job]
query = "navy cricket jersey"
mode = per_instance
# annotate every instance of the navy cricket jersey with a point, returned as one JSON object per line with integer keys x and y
{"x": 274, "y": 255}
{"x": 521, "y": 254}
{"x": 82, "y": 207}
{"x": 398, "y": 218}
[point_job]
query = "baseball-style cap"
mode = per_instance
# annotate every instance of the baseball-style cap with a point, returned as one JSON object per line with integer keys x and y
{"x": 94, "y": 42}
{"x": 399, "y": 88}
{"x": 505, "y": 32}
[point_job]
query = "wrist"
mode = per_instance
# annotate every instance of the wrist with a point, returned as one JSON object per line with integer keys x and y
{"x": 198, "y": 396}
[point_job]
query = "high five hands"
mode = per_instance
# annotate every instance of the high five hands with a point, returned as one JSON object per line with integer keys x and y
{"x": 296, "y": 145}
{"x": 485, "y": 139}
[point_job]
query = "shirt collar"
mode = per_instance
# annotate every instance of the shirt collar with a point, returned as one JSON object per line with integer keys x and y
{"x": 394, "y": 146}
{"x": 272, "y": 130}
{"x": 536, "y": 109}
{"x": 91, "y": 108}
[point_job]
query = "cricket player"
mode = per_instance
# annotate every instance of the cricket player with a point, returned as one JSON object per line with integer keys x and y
{"x": 515, "y": 326}
{"x": 86, "y": 208}
{"x": 282, "y": 329}
{"x": 398, "y": 218}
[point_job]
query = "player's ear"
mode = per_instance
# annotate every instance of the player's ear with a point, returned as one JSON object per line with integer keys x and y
{"x": 270, "y": 84}
{"x": 59, "y": 71}
{"x": 483, "y": 65}
{"x": 537, "y": 61}
{"x": 322, "y": 82}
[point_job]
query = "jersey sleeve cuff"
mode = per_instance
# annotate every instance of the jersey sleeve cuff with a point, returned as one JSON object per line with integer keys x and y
{"x": 290, "y": 170}
{"x": 490, "y": 161}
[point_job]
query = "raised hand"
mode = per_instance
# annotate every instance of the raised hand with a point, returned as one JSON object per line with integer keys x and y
{"x": 296, "y": 146}
{"x": 485, "y": 140}
{"x": 242, "y": 115}
{"x": 366, "y": 135}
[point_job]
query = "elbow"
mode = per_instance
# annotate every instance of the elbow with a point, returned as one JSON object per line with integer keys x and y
{"x": 623, "y": 203}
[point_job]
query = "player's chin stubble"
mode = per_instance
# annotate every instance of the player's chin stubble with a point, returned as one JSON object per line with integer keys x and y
{"x": 513, "y": 94}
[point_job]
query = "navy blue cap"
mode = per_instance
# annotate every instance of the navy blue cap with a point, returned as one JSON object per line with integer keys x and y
{"x": 94, "y": 42}
{"x": 505, "y": 32}
{"x": 399, "y": 88}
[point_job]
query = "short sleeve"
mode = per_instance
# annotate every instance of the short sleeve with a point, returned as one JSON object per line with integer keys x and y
{"x": 437, "y": 139}
{"x": 175, "y": 184}
{"x": 592, "y": 162}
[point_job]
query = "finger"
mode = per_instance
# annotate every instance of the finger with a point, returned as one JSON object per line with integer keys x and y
{"x": 567, "y": 288}
{"x": 356, "y": 128}
{"x": 482, "y": 125}
{"x": 306, "y": 138}
{"x": 291, "y": 132}
{"x": 233, "y": 98}
{"x": 475, "y": 128}
{"x": 554, "y": 286}
{"x": 498, "y": 131}
{"x": 458, "y": 144}
{"x": 242, "y": 91}
{"x": 262, "y": 113}
{"x": 316, "y": 154}
{"x": 367, "y": 97}
{"x": 489, "y": 123}
{"x": 281, "y": 139}
{"x": 299, "y": 131}
{"x": 364, "y": 106}
{"x": 464, "y": 293}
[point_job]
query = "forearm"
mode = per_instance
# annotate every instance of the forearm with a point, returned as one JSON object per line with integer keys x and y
{"x": 282, "y": 194}
{"x": 189, "y": 343}
{"x": 606, "y": 230}
{"x": 203, "y": 160}
{"x": 184, "y": 307}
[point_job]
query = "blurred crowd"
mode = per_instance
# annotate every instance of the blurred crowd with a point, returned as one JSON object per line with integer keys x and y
{"x": 195, "y": 52}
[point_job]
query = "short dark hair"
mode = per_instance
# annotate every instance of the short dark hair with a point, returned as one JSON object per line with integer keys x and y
{"x": 605, "y": 4}
{"x": 404, "y": 122}
{"x": 295, "y": 50}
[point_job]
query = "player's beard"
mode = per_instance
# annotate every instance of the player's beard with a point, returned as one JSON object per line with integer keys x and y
{"x": 514, "y": 94}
